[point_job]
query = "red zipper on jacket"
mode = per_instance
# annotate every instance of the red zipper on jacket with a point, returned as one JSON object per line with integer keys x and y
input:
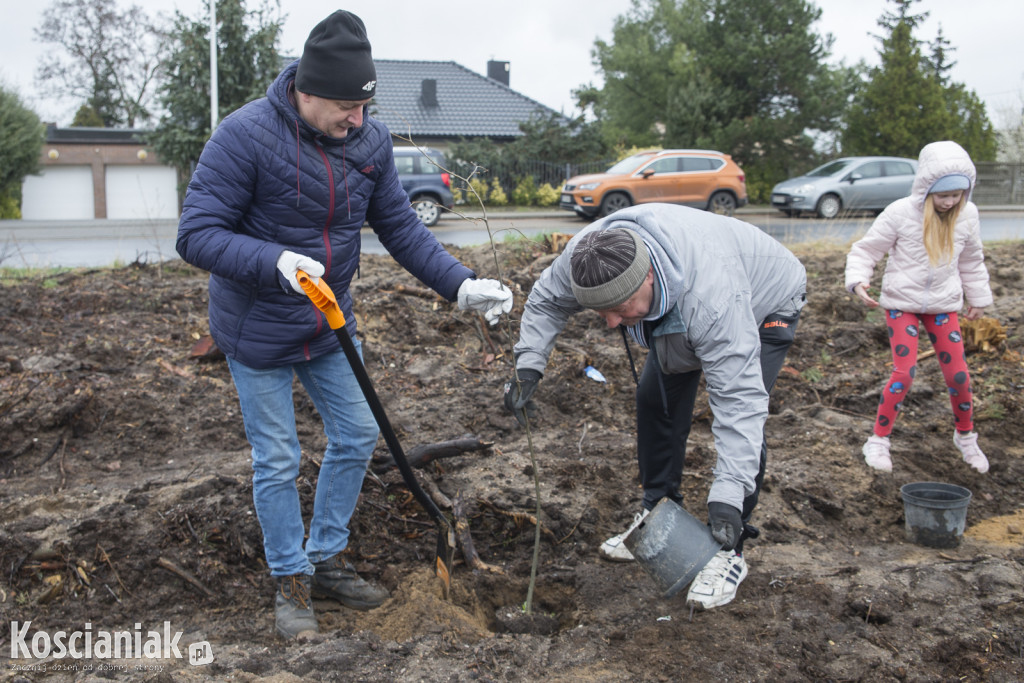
{"x": 326, "y": 237}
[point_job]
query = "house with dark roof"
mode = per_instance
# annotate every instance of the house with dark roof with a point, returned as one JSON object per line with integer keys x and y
{"x": 99, "y": 173}
{"x": 437, "y": 103}
{"x": 111, "y": 173}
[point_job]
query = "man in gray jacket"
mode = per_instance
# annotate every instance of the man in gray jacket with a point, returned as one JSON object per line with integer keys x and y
{"x": 706, "y": 294}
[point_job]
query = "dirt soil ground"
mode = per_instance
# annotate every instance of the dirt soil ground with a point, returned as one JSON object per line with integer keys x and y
{"x": 126, "y": 502}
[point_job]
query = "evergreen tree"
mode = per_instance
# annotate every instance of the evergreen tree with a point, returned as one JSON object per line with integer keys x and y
{"x": 969, "y": 123}
{"x": 908, "y": 100}
{"x": 553, "y": 139}
{"x": 971, "y": 126}
{"x": 247, "y": 63}
{"x": 20, "y": 149}
{"x": 746, "y": 77}
{"x": 87, "y": 117}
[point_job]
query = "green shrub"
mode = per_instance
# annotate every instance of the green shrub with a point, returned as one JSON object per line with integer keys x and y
{"x": 759, "y": 191}
{"x": 9, "y": 207}
{"x": 497, "y": 195}
{"x": 525, "y": 192}
{"x": 480, "y": 186}
{"x": 546, "y": 195}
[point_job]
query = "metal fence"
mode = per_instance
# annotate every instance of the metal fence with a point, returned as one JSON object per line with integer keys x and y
{"x": 510, "y": 173}
{"x": 999, "y": 184}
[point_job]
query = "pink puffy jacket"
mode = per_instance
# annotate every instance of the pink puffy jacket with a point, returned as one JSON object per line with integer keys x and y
{"x": 910, "y": 283}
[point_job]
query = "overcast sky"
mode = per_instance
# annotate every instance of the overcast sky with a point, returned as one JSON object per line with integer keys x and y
{"x": 548, "y": 44}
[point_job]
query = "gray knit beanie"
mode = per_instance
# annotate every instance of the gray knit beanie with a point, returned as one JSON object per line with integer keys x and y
{"x": 950, "y": 183}
{"x": 608, "y": 267}
{"x": 336, "y": 62}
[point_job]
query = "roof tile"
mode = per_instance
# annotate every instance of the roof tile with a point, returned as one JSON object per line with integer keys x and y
{"x": 468, "y": 104}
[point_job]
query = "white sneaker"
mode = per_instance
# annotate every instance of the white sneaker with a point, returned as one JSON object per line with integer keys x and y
{"x": 716, "y": 584}
{"x": 876, "y": 453}
{"x": 968, "y": 445}
{"x": 615, "y": 547}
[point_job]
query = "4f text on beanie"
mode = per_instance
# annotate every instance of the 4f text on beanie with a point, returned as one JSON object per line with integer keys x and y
{"x": 336, "y": 61}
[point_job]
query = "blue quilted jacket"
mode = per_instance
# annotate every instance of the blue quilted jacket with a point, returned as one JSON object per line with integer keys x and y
{"x": 266, "y": 182}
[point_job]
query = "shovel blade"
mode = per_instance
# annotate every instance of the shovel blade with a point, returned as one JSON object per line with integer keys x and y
{"x": 445, "y": 558}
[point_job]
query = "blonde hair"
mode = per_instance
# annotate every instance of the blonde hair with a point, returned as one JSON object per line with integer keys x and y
{"x": 938, "y": 230}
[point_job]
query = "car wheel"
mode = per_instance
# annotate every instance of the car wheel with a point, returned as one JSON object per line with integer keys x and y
{"x": 828, "y": 206}
{"x": 613, "y": 202}
{"x": 722, "y": 203}
{"x": 427, "y": 210}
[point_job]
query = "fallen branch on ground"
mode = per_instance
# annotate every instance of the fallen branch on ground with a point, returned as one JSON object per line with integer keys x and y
{"x": 520, "y": 518}
{"x": 423, "y": 454}
{"x": 164, "y": 563}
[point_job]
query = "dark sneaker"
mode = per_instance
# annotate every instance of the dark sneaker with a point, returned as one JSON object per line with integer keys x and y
{"x": 293, "y": 610}
{"x": 336, "y": 579}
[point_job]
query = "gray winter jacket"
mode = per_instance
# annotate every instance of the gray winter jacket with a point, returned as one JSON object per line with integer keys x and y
{"x": 719, "y": 278}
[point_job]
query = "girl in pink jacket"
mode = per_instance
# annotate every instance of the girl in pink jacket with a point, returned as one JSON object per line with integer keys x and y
{"x": 933, "y": 241}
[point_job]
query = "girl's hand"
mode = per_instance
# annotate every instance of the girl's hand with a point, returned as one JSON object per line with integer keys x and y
{"x": 974, "y": 313}
{"x": 861, "y": 291}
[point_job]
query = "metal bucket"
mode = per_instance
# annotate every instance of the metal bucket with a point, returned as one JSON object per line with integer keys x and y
{"x": 672, "y": 546}
{"x": 935, "y": 513}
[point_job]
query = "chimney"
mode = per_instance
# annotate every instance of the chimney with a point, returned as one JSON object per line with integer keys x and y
{"x": 498, "y": 71}
{"x": 428, "y": 92}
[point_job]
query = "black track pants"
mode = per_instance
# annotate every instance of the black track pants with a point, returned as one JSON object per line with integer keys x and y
{"x": 664, "y": 413}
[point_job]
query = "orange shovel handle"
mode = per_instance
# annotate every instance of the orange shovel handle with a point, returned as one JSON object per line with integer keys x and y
{"x": 323, "y": 298}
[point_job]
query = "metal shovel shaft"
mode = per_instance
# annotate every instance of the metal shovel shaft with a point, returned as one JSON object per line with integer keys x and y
{"x": 322, "y": 296}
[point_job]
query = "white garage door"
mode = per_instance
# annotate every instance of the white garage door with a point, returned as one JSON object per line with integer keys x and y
{"x": 58, "y": 193}
{"x": 141, "y": 192}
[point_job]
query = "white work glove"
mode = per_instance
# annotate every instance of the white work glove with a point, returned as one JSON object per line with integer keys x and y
{"x": 290, "y": 263}
{"x": 489, "y": 297}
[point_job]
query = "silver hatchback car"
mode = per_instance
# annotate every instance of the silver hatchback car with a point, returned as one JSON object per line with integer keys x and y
{"x": 849, "y": 183}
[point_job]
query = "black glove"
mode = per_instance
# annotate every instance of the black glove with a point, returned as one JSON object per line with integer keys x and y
{"x": 726, "y": 525}
{"x": 518, "y": 395}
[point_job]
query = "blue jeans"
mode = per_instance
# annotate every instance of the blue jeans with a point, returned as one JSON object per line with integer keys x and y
{"x": 265, "y": 397}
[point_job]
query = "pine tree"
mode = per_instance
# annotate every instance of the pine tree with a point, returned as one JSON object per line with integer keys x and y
{"x": 743, "y": 76}
{"x": 908, "y": 100}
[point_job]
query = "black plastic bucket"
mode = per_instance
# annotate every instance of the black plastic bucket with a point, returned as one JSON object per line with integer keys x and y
{"x": 672, "y": 546}
{"x": 935, "y": 513}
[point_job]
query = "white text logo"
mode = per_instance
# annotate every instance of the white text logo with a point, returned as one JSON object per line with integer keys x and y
{"x": 101, "y": 644}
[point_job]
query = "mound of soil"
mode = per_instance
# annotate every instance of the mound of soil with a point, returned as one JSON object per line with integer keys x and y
{"x": 126, "y": 501}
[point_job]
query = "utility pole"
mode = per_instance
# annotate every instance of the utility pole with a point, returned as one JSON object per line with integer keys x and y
{"x": 213, "y": 66}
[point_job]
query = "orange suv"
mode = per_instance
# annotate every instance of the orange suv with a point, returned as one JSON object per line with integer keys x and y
{"x": 701, "y": 178}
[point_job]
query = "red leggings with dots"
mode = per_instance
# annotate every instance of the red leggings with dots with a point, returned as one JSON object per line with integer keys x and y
{"x": 944, "y": 332}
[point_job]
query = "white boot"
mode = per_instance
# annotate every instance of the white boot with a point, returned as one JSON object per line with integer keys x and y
{"x": 876, "y": 453}
{"x": 968, "y": 445}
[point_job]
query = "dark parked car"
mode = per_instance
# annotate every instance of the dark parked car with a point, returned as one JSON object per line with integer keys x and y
{"x": 424, "y": 179}
{"x": 850, "y": 183}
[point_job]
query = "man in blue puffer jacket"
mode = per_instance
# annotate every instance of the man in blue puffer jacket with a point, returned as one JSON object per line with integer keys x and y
{"x": 285, "y": 184}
